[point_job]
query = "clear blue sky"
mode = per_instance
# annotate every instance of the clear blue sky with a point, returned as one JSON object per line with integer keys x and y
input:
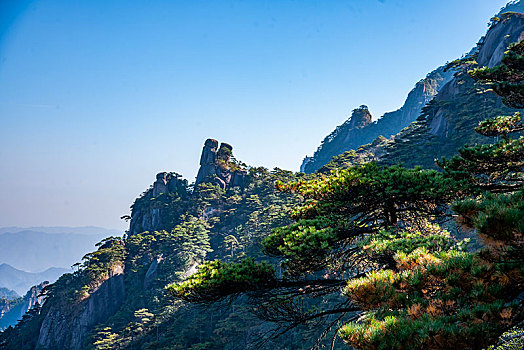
{"x": 96, "y": 97}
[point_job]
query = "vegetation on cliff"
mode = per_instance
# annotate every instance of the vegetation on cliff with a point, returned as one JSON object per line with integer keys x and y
{"x": 409, "y": 283}
{"x": 369, "y": 253}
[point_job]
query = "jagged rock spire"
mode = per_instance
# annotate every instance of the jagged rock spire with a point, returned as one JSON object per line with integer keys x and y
{"x": 215, "y": 166}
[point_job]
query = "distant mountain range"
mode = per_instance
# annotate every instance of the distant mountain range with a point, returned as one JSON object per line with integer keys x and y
{"x": 21, "y": 281}
{"x": 40, "y": 248}
{"x": 83, "y": 230}
{"x": 8, "y": 294}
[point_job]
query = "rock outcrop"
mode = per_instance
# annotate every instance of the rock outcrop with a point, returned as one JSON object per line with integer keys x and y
{"x": 358, "y": 130}
{"x": 152, "y": 211}
{"x": 12, "y": 310}
{"x": 208, "y": 161}
{"x": 67, "y": 327}
{"x": 448, "y": 122}
{"x": 508, "y": 30}
{"x": 151, "y": 273}
{"x": 216, "y": 166}
{"x": 148, "y": 214}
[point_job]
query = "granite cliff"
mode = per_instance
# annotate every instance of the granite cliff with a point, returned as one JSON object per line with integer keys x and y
{"x": 154, "y": 209}
{"x": 67, "y": 326}
{"x": 351, "y": 135}
{"x": 13, "y": 309}
{"x": 447, "y": 123}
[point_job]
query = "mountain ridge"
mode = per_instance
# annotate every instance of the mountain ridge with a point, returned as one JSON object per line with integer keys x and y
{"x": 346, "y": 137}
{"x": 21, "y": 281}
{"x": 120, "y": 287}
{"x": 34, "y": 251}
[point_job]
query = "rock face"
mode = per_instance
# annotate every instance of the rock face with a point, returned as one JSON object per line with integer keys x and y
{"x": 67, "y": 327}
{"x": 491, "y": 50}
{"x": 508, "y": 30}
{"x": 148, "y": 215}
{"x": 360, "y": 117}
{"x": 151, "y": 273}
{"x": 215, "y": 166}
{"x": 447, "y": 123}
{"x": 454, "y": 109}
{"x": 208, "y": 160}
{"x": 12, "y": 310}
{"x": 358, "y": 130}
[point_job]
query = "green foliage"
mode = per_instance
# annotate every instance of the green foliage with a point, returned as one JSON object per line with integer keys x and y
{"x": 450, "y": 299}
{"x": 388, "y": 242}
{"x": 501, "y": 125}
{"x": 106, "y": 339}
{"x": 506, "y": 79}
{"x": 216, "y": 280}
{"x": 510, "y": 340}
{"x": 446, "y": 300}
{"x": 498, "y": 220}
{"x": 97, "y": 265}
{"x": 353, "y": 202}
{"x": 400, "y": 331}
{"x": 185, "y": 244}
{"x": 495, "y": 167}
{"x": 305, "y": 244}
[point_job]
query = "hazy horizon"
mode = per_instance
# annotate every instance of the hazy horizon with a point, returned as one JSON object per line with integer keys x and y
{"x": 97, "y": 97}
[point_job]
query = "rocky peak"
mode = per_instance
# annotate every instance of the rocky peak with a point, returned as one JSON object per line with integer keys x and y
{"x": 360, "y": 117}
{"x": 225, "y": 152}
{"x": 512, "y": 6}
{"x": 216, "y": 166}
{"x": 168, "y": 183}
{"x": 209, "y": 152}
{"x": 359, "y": 130}
{"x": 146, "y": 213}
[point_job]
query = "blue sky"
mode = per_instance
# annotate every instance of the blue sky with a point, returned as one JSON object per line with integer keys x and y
{"x": 96, "y": 97}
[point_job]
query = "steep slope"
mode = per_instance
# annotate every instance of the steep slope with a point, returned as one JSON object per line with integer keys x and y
{"x": 448, "y": 122}
{"x": 12, "y": 310}
{"x": 65, "y": 327}
{"x": 350, "y": 136}
{"x": 174, "y": 226}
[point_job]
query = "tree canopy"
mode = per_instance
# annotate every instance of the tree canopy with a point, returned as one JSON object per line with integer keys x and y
{"x": 376, "y": 234}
